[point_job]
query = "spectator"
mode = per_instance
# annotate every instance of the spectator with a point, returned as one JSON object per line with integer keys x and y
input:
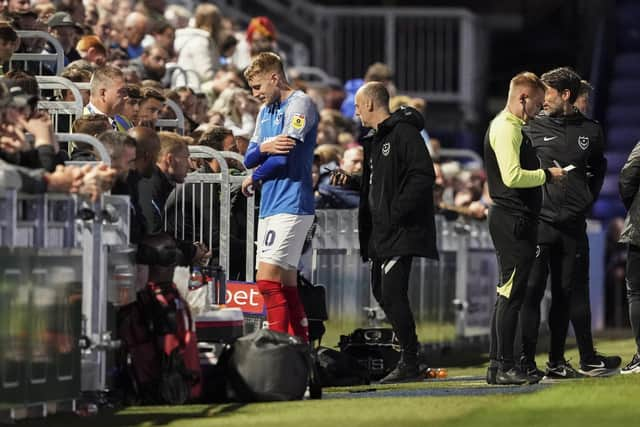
{"x": 131, "y": 110}
{"x": 238, "y": 108}
{"x": 377, "y": 72}
{"x": 122, "y": 152}
{"x": 151, "y": 65}
{"x": 150, "y": 106}
{"x": 336, "y": 197}
{"x": 93, "y": 125}
{"x": 76, "y": 75}
{"x": 135, "y": 28}
{"x": 197, "y": 47}
{"x": 65, "y": 30}
{"x": 91, "y": 49}
{"x": 8, "y": 44}
{"x": 108, "y": 95}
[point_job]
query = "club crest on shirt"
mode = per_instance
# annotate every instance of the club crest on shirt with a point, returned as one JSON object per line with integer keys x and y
{"x": 583, "y": 142}
{"x": 278, "y": 118}
{"x": 386, "y": 148}
{"x": 298, "y": 121}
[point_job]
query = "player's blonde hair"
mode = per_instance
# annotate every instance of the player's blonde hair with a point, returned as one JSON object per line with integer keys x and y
{"x": 265, "y": 62}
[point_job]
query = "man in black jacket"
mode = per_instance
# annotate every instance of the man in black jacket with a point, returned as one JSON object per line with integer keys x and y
{"x": 395, "y": 220}
{"x": 563, "y": 136}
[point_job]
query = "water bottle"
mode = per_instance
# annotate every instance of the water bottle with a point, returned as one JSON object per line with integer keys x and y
{"x": 195, "y": 281}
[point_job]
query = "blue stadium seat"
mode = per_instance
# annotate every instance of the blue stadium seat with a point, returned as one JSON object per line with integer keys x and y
{"x": 623, "y": 115}
{"x": 608, "y": 207}
{"x": 623, "y": 138}
{"x": 625, "y": 90}
{"x": 610, "y": 186}
{"x": 615, "y": 161}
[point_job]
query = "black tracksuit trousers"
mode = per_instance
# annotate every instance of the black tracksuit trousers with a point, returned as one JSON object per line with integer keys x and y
{"x": 564, "y": 253}
{"x": 390, "y": 285}
{"x": 514, "y": 239}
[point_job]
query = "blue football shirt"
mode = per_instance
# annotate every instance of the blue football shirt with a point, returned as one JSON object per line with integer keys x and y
{"x": 290, "y": 190}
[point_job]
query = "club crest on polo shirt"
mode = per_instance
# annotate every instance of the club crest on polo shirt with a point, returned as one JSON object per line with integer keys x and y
{"x": 583, "y": 142}
{"x": 298, "y": 121}
{"x": 386, "y": 148}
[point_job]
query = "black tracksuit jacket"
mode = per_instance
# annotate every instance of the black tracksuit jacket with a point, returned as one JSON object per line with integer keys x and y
{"x": 396, "y": 191}
{"x": 569, "y": 140}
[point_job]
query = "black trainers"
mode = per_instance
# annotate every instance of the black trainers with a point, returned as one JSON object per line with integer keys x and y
{"x": 530, "y": 369}
{"x": 632, "y": 367}
{"x": 600, "y": 366}
{"x": 403, "y": 372}
{"x": 513, "y": 376}
{"x": 560, "y": 371}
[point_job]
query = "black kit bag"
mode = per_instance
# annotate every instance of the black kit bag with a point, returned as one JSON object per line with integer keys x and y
{"x": 338, "y": 369}
{"x": 314, "y": 301}
{"x": 376, "y": 349}
{"x": 269, "y": 366}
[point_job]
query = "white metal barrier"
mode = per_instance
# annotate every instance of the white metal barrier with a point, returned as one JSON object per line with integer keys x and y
{"x": 205, "y": 183}
{"x": 189, "y": 78}
{"x": 41, "y": 59}
{"x": 176, "y": 124}
{"x": 87, "y": 139}
{"x": 63, "y": 113}
{"x": 435, "y": 53}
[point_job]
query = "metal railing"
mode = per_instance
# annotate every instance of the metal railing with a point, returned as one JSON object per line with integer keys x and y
{"x": 41, "y": 59}
{"x": 450, "y": 295}
{"x": 54, "y": 284}
{"x": 177, "y": 124}
{"x": 189, "y": 77}
{"x": 434, "y": 52}
{"x": 63, "y": 113}
{"x": 200, "y": 184}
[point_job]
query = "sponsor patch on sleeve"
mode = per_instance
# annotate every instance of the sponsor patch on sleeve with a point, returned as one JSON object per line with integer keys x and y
{"x": 298, "y": 121}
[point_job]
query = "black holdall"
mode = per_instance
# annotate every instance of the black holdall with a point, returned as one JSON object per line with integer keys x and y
{"x": 376, "y": 349}
{"x": 269, "y": 366}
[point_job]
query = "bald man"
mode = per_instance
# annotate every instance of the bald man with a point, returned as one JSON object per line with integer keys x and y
{"x": 135, "y": 28}
{"x": 395, "y": 220}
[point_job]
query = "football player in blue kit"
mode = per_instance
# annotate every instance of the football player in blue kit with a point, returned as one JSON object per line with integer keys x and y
{"x": 281, "y": 151}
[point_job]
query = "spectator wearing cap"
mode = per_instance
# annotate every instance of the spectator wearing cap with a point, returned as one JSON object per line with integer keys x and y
{"x": 108, "y": 95}
{"x": 91, "y": 49}
{"x": 197, "y": 47}
{"x": 8, "y": 44}
{"x": 66, "y": 31}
